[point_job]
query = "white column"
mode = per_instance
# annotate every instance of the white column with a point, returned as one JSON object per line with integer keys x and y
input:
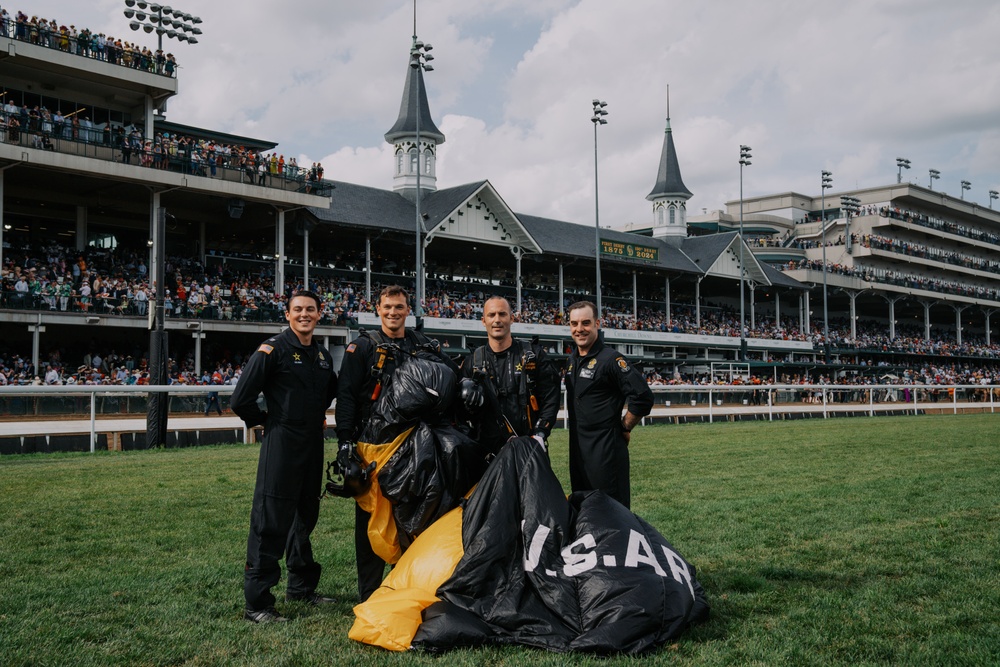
{"x": 368, "y": 268}
{"x": 666, "y": 292}
{"x": 853, "y": 296}
{"x": 279, "y": 253}
{"x": 697, "y": 302}
{"x": 198, "y": 335}
{"x": 753, "y": 303}
{"x": 777, "y": 309}
{"x": 1, "y": 216}
{"x": 635, "y": 298}
{"x": 154, "y": 257}
{"x": 562, "y": 297}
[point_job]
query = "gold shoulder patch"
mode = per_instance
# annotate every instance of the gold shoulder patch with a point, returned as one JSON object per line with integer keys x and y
{"x": 265, "y": 348}
{"x": 622, "y": 364}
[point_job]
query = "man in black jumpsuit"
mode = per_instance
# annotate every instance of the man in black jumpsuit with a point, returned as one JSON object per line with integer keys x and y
{"x": 599, "y": 383}
{"x": 360, "y": 383}
{"x": 522, "y": 384}
{"x": 296, "y": 375}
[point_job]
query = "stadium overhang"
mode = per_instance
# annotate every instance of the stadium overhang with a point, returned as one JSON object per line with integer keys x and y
{"x": 486, "y": 218}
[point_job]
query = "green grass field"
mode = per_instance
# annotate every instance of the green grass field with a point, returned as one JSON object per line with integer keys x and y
{"x": 836, "y": 542}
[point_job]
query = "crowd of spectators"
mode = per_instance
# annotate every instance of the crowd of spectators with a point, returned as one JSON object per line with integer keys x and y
{"x": 899, "y": 278}
{"x": 936, "y": 254}
{"x": 949, "y": 226}
{"x": 52, "y": 34}
{"x": 117, "y": 283}
{"x": 39, "y": 127}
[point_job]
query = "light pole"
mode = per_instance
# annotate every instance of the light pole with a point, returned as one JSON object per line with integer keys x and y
{"x": 164, "y": 20}
{"x": 744, "y": 162}
{"x": 935, "y": 174}
{"x": 420, "y": 60}
{"x": 851, "y": 206}
{"x": 826, "y": 182}
{"x": 993, "y": 195}
{"x": 966, "y": 185}
{"x": 902, "y": 163}
{"x": 598, "y": 118}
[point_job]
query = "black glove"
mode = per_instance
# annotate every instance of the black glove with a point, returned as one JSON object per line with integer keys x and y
{"x": 471, "y": 394}
{"x": 345, "y": 452}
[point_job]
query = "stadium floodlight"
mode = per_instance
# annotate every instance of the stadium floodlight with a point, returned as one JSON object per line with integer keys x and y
{"x": 851, "y": 207}
{"x": 419, "y": 58}
{"x": 993, "y": 195}
{"x": 935, "y": 174}
{"x": 966, "y": 185}
{"x": 826, "y": 182}
{"x": 597, "y": 118}
{"x": 158, "y": 17}
{"x": 902, "y": 163}
{"x": 744, "y": 162}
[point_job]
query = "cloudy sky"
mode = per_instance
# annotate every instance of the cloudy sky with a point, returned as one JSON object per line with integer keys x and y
{"x": 846, "y": 86}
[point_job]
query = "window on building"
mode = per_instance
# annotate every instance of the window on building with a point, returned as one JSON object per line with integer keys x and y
{"x": 673, "y": 214}
{"x": 413, "y": 161}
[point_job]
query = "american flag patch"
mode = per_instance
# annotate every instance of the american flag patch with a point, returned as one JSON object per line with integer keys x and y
{"x": 265, "y": 348}
{"x": 351, "y": 347}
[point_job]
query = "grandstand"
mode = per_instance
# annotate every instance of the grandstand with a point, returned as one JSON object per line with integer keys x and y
{"x": 912, "y": 282}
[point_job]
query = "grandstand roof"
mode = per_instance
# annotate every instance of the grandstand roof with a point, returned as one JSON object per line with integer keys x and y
{"x": 414, "y": 102}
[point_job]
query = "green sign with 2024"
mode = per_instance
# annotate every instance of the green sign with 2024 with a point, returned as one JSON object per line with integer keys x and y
{"x": 629, "y": 250}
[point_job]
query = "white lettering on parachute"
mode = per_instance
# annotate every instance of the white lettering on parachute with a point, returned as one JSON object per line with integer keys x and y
{"x": 575, "y": 562}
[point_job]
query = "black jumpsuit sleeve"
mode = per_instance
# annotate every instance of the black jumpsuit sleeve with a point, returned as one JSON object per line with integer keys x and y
{"x": 633, "y": 386}
{"x": 354, "y": 373}
{"x": 547, "y": 390}
{"x": 251, "y": 384}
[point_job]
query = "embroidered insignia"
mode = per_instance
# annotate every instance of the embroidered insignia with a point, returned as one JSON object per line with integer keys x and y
{"x": 351, "y": 348}
{"x": 593, "y": 362}
{"x": 321, "y": 357}
{"x": 296, "y": 356}
{"x": 518, "y": 368}
{"x": 265, "y": 348}
{"x": 622, "y": 364}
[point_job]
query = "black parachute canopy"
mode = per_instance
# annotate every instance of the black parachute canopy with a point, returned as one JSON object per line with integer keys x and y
{"x": 577, "y": 574}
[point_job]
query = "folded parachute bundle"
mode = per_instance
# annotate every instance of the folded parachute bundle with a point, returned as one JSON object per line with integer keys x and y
{"x": 535, "y": 568}
{"x": 424, "y": 466}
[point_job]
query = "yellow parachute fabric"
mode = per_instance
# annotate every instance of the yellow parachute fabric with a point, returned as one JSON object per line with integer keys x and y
{"x": 391, "y": 616}
{"x": 381, "y": 526}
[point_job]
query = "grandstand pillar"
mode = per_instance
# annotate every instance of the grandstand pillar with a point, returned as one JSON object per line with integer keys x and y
{"x": 279, "y": 253}
{"x": 2, "y": 230}
{"x": 697, "y": 302}
{"x": 927, "y": 318}
{"x": 853, "y": 296}
{"x": 958, "y": 323}
{"x": 805, "y": 314}
{"x": 753, "y": 303}
{"x": 666, "y": 292}
{"x": 36, "y": 342}
{"x": 988, "y": 312}
{"x": 561, "y": 298}
{"x": 635, "y": 298}
{"x": 155, "y": 251}
{"x": 81, "y": 228}
{"x": 368, "y": 268}
{"x": 201, "y": 242}
{"x": 892, "y": 313}
{"x": 198, "y": 336}
{"x": 777, "y": 309}
{"x": 149, "y": 129}
{"x": 516, "y": 251}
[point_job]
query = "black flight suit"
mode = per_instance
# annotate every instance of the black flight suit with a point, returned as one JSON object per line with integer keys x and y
{"x": 354, "y": 401}
{"x": 299, "y": 384}
{"x": 522, "y": 392}
{"x": 597, "y": 388}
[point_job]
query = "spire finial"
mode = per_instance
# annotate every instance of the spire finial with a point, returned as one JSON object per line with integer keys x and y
{"x": 414, "y": 20}
{"x": 668, "y": 97}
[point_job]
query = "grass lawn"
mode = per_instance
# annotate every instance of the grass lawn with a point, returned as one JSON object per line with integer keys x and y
{"x": 819, "y": 542}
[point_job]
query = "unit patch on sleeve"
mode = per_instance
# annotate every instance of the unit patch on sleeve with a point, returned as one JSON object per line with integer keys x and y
{"x": 351, "y": 347}
{"x": 265, "y": 348}
{"x": 622, "y": 364}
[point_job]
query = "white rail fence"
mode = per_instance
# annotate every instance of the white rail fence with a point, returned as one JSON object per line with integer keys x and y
{"x": 97, "y": 409}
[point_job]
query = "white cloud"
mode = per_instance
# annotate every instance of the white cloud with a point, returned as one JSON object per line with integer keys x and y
{"x": 809, "y": 85}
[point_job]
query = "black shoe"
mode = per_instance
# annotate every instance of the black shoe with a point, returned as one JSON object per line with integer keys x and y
{"x": 269, "y": 615}
{"x": 315, "y": 599}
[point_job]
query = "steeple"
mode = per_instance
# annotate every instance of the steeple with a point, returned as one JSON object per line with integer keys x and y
{"x": 669, "y": 194}
{"x": 403, "y": 135}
